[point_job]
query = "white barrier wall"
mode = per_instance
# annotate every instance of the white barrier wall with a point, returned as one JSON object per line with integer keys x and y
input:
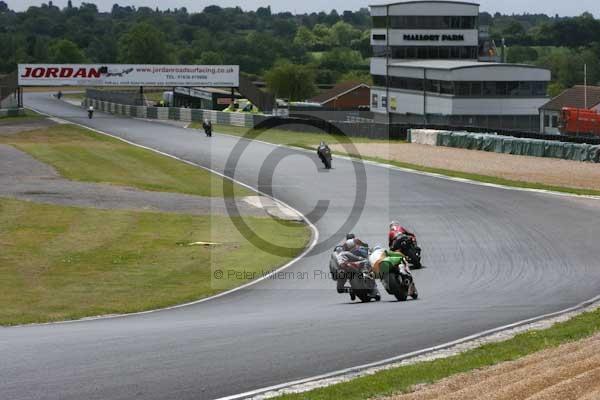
{"x": 424, "y": 136}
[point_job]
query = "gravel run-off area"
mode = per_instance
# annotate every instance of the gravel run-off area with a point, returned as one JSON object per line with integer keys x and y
{"x": 548, "y": 171}
{"x": 568, "y": 372}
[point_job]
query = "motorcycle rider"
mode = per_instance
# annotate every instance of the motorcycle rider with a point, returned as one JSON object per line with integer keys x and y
{"x": 382, "y": 261}
{"x": 345, "y": 255}
{"x": 90, "y": 112}
{"x": 324, "y": 153}
{"x": 353, "y": 250}
{"x": 360, "y": 248}
{"x": 396, "y": 232}
{"x": 207, "y": 125}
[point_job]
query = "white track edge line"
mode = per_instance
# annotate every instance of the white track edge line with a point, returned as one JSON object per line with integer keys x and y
{"x": 315, "y": 238}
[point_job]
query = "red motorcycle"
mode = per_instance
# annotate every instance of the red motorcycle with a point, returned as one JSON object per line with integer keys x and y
{"x": 404, "y": 241}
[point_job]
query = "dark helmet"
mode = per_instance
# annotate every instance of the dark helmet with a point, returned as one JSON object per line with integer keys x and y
{"x": 350, "y": 236}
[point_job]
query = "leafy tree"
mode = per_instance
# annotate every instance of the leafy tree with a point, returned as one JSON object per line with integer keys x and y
{"x": 291, "y": 81}
{"x": 555, "y": 88}
{"x": 144, "y": 44}
{"x": 64, "y": 51}
{"x": 357, "y": 76}
{"x": 211, "y": 58}
{"x": 341, "y": 59}
{"x": 522, "y": 54}
{"x": 305, "y": 38}
{"x": 343, "y": 34}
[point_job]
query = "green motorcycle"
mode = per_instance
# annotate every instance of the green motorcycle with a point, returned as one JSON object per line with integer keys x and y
{"x": 394, "y": 274}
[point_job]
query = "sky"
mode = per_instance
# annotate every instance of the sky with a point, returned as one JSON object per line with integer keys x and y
{"x": 550, "y": 7}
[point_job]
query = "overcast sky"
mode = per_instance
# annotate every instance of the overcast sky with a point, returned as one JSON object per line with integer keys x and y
{"x": 551, "y": 7}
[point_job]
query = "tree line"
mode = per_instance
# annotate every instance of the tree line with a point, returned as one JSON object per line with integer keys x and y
{"x": 315, "y": 48}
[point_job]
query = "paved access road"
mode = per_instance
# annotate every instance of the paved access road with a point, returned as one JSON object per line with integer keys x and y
{"x": 495, "y": 256}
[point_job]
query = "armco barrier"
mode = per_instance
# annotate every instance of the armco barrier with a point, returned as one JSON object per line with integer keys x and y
{"x": 355, "y": 129}
{"x": 512, "y": 145}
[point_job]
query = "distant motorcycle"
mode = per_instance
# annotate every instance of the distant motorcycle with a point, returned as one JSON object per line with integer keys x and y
{"x": 207, "y": 125}
{"x": 324, "y": 153}
{"x": 90, "y": 112}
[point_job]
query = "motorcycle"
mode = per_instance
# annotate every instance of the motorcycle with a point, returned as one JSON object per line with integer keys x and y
{"x": 207, "y": 128}
{"x": 90, "y": 114}
{"x": 407, "y": 245}
{"x": 361, "y": 278}
{"x": 324, "y": 153}
{"x": 397, "y": 279}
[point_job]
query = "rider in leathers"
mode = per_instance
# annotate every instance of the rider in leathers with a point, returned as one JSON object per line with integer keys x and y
{"x": 396, "y": 232}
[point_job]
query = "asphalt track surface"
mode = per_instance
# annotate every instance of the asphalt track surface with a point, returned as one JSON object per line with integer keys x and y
{"x": 494, "y": 256}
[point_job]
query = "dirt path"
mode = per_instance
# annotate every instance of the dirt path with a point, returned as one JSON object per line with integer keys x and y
{"x": 547, "y": 171}
{"x": 23, "y": 177}
{"x": 568, "y": 372}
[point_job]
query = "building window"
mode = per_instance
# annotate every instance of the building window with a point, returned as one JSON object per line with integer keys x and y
{"x": 384, "y": 102}
{"x": 431, "y": 22}
{"x": 555, "y": 121}
{"x": 380, "y": 51}
{"x": 429, "y": 52}
{"x": 380, "y": 22}
{"x": 374, "y": 100}
{"x": 546, "y": 120}
{"x": 500, "y": 89}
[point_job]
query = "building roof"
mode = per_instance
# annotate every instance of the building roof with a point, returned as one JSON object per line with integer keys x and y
{"x": 451, "y": 65}
{"x": 423, "y": 1}
{"x": 574, "y": 97}
{"x": 337, "y": 91}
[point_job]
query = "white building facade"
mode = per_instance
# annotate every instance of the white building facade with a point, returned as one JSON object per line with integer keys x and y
{"x": 426, "y": 70}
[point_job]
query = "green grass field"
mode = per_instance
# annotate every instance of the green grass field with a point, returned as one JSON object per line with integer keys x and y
{"x": 29, "y": 115}
{"x": 289, "y": 138}
{"x": 74, "y": 96}
{"x": 400, "y": 380}
{"x": 82, "y": 155}
{"x": 60, "y": 263}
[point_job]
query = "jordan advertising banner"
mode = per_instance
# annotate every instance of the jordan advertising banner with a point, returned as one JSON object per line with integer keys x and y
{"x": 128, "y": 75}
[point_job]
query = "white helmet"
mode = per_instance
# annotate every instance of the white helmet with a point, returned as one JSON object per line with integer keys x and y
{"x": 350, "y": 244}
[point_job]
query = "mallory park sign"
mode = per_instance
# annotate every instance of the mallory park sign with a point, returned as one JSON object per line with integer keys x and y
{"x": 128, "y": 75}
{"x": 434, "y": 38}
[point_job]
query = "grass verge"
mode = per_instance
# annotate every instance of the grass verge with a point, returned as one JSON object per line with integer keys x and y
{"x": 29, "y": 115}
{"x": 400, "y": 380}
{"x": 290, "y": 138}
{"x": 82, "y": 155}
{"x": 60, "y": 263}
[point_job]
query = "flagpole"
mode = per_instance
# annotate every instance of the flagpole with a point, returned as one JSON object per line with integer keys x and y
{"x": 585, "y": 85}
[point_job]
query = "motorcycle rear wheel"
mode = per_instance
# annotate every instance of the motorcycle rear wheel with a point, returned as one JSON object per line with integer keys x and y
{"x": 396, "y": 287}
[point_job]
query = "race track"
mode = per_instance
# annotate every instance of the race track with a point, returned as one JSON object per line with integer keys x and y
{"x": 494, "y": 256}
